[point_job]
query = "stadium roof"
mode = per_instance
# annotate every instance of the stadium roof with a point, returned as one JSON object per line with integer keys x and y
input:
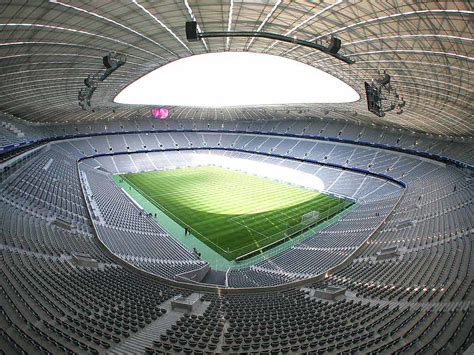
{"x": 47, "y": 49}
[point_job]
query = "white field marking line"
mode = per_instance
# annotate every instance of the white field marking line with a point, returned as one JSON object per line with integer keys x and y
{"x": 292, "y": 218}
{"x": 229, "y": 186}
{"x": 253, "y": 237}
{"x": 194, "y": 195}
{"x": 195, "y": 192}
{"x": 249, "y": 229}
{"x": 170, "y": 213}
{"x": 253, "y": 230}
{"x": 269, "y": 197}
{"x": 270, "y": 221}
{"x": 289, "y": 218}
{"x": 255, "y": 242}
{"x": 245, "y": 226}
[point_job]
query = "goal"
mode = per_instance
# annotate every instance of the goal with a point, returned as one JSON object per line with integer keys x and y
{"x": 308, "y": 219}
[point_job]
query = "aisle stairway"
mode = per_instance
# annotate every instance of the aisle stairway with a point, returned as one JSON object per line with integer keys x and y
{"x": 137, "y": 342}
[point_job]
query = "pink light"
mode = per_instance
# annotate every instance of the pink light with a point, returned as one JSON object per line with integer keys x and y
{"x": 160, "y": 113}
{"x": 164, "y": 113}
{"x": 155, "y": 112}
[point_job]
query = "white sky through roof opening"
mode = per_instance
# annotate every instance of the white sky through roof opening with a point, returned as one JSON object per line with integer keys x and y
{"x": 236, "y": 79}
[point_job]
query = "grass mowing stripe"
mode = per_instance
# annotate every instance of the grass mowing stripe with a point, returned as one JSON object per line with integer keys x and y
{"x": 233, "y": 212}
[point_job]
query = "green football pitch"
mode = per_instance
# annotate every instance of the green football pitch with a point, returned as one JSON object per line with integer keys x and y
{"x": 232, "y": 212}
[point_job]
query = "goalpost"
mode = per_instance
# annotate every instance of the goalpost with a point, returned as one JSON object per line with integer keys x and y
{"x": 310, "y": 217}
{"x": 307, "y": 219}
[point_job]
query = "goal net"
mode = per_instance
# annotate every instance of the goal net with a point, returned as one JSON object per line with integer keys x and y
{"x": 310, "y": 218}
{"x": 307, "y": 220}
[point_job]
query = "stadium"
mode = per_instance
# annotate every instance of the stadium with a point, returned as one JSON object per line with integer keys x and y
{"x": 236, "y": 177}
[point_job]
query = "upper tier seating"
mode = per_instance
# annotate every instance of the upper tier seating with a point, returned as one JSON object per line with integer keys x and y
{"x": 458, "y": 150}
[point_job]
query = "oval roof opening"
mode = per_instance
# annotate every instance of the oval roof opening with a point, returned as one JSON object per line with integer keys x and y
{"x": 236, "y": 79}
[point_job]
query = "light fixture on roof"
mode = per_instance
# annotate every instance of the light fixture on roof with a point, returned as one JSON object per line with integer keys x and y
{"x": 112, "y": 62}
{"x": 382, "y": 97}
{"x": 334, "y": 45}
{"x": 193, "y": 35}
{"x": 91, "y": 81}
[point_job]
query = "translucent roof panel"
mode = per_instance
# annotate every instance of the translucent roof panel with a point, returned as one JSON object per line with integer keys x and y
{"x": 48, "y": 48}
